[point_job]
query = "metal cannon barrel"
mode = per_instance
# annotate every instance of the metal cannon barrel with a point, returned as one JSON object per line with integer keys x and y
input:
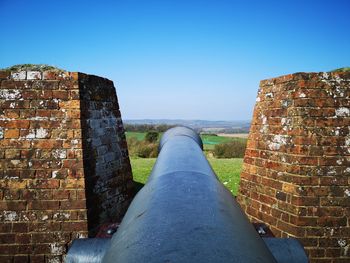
{"x": 184, "y": 213}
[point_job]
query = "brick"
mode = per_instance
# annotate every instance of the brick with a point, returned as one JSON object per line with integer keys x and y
{"x": 81, "y": 194}
{"x": 37, "y": 258}
{"x": 27, "y": 113}
{"x": 45, "y": 85}
{"x": 42, "y": 237}
{"x": 43, "y": 113}
{"x": 12, "y": 114}
{"x": 29, "y": 94}
{"x": 291, "y": 229}
{"x": 281, "y": 196}
{"x": 13, "y": 205}
{"x": 73, "y": 164}
{"x": 74, "y": 226}
{"x": 73, "y": 204}
{"x": 45, "y": 94}
{"x": 74, "y": 95}
{"x": 7, "y": 238}
{"x": 68, "y": 85}
{"x": 289, "y": 188}
{"x": 45, "y": 124}
{"x": 71, "y": 154}
{"x": 11, "y": 133}
{"x": 44, "y": 183}
{"x": 330, "y": 211}
{"x": 12, "y": 154}
{"x": 327, "y": 221}
{"x": 5, "y": 227}
{"x": 8, "y": 249}
{"x": 21, "y": 259}
{"x": 5, "y": 74}
{"x": 303, "y": 221}
{"x": 47, "y": 144}
{"x": 27, "y": 174}
{"x": 60, "y": 194}
{"x": 27, "y": 154}
{"x": 14, "y": 184}
{"x": 44, "y": 194}
{"x": 333, "y": 180}
{"x": 73, "y": 183}
{"x": 74, "y": 114}
{"x": 43, "y": 205}
{"x": 57, "y": 114}
{"x": 60, "y": 94}
{"x": 44, "y": 226}
{"x": 20, "y": 227}
{"x": 305, "y": 201}
{"x": 16, "y": 124}
{"x": 71, "y": 104}
{"x": 28, "y": 194}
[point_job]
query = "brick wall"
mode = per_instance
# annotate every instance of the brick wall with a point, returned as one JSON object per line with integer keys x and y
{"x": 108, "y": 172}
{"x": 296, "y": 171}
{"x": 62, "y": 155}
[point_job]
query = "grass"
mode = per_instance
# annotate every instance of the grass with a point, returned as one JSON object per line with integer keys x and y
{"x": 228, "y": 170}
{"x": 209, "y": 141}
{"x": 140, "y": 136}
{"x": 212, "y": 139}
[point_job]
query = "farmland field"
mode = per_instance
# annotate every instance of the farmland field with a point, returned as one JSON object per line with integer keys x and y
{"x": 228, "y": 170}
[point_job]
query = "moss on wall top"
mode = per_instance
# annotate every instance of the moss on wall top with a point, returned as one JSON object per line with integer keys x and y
{"x": 341, "y": 69}
{"x": 33, "y": 67}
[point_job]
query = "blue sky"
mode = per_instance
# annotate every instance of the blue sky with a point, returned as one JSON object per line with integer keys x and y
{"x": 179, "y": 59}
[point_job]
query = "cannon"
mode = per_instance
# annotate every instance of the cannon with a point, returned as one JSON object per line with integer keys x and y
{"x": 185, "y": 214}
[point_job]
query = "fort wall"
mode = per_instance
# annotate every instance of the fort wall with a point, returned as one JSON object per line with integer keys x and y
{"x": 296, "y": 171}
{"x": 64, "y": 165}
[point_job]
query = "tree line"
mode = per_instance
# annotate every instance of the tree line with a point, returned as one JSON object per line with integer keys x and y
{"x": 147, "y": 127}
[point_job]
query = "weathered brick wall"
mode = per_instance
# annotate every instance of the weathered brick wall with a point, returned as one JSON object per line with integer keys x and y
{"x": 51, "y": 167}
{"x": 107, "y": 174}
{"x": 296, "y": 171}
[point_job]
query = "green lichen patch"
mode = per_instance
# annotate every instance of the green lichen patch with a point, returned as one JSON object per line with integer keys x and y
{"x": 345, "y": 69}
{"x": 33, "y": 67}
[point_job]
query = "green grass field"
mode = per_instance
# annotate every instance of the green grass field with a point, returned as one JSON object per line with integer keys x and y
{"x": 228, "y": 170}
{"x": 209, "y": 141}
{"x": 140, "y": 136}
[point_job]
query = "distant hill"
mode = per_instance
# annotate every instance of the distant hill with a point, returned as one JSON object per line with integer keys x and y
{"x": 199, "y": 125}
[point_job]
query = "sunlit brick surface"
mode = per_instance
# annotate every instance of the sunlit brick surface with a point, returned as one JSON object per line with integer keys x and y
{"x": 296, "y": 170}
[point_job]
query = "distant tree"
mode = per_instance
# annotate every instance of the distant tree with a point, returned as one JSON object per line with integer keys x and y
{"x": 151, "y": 136}
{"x": 147, "y": 127}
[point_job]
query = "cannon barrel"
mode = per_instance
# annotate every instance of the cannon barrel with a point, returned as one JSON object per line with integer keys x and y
{"x": 184, "y": 214}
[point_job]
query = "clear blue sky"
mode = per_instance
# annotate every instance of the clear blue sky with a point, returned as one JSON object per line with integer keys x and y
{"x": 180, "y": 58}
